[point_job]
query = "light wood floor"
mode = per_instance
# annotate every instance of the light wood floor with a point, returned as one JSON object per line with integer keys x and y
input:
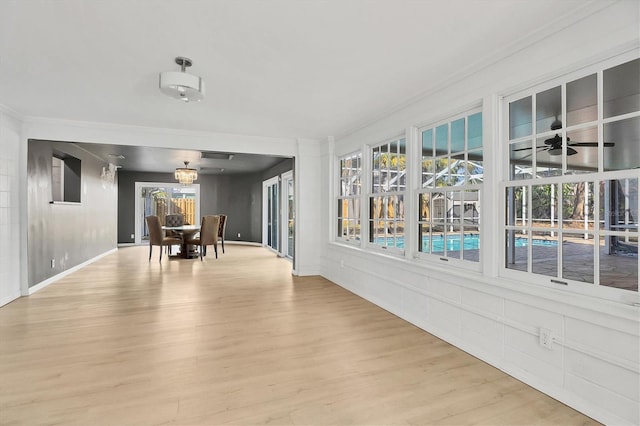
{"x": 237, "y": 340}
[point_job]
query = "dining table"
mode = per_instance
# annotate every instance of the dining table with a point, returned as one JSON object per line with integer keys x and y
{"x": 187, "y": 250}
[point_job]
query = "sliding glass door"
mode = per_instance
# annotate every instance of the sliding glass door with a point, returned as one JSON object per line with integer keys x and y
{"x": 278, "y": 214}
{"x": 270, "y": 210}
{"x": 161, "y": 199}
{"x": 288, "y": 215}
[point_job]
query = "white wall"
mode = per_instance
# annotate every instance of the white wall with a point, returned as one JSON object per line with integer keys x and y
{"x": 594, "y": 363}
{"x": 309, "y": 247}
{"x": 9, "y": 208}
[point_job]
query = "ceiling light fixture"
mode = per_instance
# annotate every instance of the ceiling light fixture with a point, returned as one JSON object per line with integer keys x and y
{"x": 108, "y": 174}
{"x": 185, "y": 175}
{"x": 180, "y": 84}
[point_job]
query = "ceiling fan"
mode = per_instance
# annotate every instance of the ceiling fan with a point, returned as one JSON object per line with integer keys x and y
{"x": 553, "y": 145}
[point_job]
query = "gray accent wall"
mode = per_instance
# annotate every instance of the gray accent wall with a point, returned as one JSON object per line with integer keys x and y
{"x": 61, "y": 236}
{"x": 239, "y": 196}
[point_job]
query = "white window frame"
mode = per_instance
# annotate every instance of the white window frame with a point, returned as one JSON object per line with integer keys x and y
{"x": 356, "y": 195}
{"x": 369, "y": 194}
{"x": 589, "y": 289}
{"x": 465, "y": 187}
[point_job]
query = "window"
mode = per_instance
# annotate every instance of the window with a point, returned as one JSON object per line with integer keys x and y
{"x": 386, "y": 199}
{"x": 449, "y": 196}
{"x": 65, "y": 178}
{"x": 571, "y": 202}
{"x": 349, "y": 197}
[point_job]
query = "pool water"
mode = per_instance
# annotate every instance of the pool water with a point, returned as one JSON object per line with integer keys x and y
{"x": 453, "y": 243}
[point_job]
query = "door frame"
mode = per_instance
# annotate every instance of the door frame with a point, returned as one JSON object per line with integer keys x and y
{"x": 266, "y": 184}
{"x": 284, "y": 216}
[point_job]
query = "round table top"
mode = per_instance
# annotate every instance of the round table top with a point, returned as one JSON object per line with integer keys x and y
{"x": 182, "y": 228}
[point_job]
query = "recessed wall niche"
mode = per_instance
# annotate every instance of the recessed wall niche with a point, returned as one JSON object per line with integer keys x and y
{"x": 65, "y": 178}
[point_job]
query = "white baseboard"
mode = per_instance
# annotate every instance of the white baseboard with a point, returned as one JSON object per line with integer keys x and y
{"x": 63, "y": 274}
{"x": 244, "y": 243}
{"x": 9, "y": 298}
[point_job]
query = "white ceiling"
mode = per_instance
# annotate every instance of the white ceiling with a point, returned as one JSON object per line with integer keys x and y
{"x": 283, "y": 68}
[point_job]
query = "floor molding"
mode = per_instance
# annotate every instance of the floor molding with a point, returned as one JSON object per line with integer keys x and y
{"x": 63, "y": 274}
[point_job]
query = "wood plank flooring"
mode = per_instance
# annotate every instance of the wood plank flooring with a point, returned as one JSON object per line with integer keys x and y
{"x": 237, "y": 341}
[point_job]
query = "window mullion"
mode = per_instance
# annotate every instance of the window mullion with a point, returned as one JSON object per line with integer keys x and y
{"x": 413, "y": 180}
{"x": 600, "y": 106}
{"x": 528, "y": 223}
{"x": 560, "y": 229}
{"x": 366, "y": 192}
{"x": 596, "y": 227}
{"x": 534, "y": 136}
{"x": 565, "y": 144}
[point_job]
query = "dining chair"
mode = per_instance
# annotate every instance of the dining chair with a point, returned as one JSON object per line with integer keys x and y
{"x": 157, "y": 237}
{"x": 173, "y": 220}
{"x": 208, "y": 235}
{"x": 221, "y": 228}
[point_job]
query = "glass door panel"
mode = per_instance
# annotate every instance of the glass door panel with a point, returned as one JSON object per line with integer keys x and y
{"x": 161, "y": 199}
{"x": 288, "y": 215}
{"x": 271, "y": 209}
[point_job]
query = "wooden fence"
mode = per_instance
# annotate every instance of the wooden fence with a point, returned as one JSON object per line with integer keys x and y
{"x": 184, "y": 206}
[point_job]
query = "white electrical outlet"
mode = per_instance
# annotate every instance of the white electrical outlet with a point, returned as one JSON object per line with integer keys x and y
{"x": 53, "y": 263}
{"x": 133, "y": 236}
{"x": 546, "y": 338}
{"x": 238, "y": 235}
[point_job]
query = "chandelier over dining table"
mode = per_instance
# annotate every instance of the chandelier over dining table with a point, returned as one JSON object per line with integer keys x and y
{"x": 186, "y": 175}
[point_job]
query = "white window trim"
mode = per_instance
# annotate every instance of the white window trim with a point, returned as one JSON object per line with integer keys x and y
{"x": 369, "y": 194}
{"x": 433, "y": 258}
{"x": 577, "y": 287}
{"x": 338, "y": 197}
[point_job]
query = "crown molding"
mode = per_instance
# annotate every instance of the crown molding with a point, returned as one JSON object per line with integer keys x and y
{"x": 551, "y": 28}
{"x": 36, "y": 120}
{"x": 4, "y": 109}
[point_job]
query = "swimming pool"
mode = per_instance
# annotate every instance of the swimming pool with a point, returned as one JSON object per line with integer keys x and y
{"x": 453, "y": 243}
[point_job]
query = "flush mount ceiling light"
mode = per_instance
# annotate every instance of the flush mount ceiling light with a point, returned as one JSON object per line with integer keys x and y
{"x": 185, "y": 175}
{"x": 180, "y": 84}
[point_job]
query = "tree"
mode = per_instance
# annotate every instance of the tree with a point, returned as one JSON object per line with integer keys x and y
{"x": 579, "y": 197}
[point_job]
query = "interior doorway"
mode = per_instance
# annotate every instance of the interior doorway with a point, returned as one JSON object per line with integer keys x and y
{"x": 161, "y": 199}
